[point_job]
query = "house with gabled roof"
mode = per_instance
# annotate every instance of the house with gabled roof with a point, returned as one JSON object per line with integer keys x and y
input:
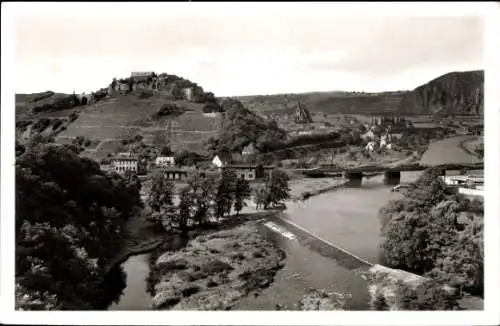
{"x": 249, "y": 150}
{"x": 221, "y": 160}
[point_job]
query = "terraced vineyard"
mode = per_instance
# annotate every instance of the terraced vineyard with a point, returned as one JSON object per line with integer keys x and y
{"x": 117, "y": 118}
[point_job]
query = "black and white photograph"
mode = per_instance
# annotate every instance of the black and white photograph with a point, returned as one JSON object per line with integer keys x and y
{"x": 200, "y": 157}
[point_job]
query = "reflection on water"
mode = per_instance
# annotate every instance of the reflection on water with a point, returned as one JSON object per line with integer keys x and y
{"x": 113, "y": 285}
{"x": 348, "y": 217}
{"x": 306, "y": 269}
{"x": 135, "y": 295}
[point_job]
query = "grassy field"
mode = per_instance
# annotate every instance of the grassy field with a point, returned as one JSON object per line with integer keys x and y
{"x": 448, "y": 151}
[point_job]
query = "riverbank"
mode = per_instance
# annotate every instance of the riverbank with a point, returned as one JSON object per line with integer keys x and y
{"x": 449, "y": 150}
{"x": 215, "y": 270}
{"x": 384, "y": 280}
{"x": 469, "y": 145}
{"x": 132, "y": 250}
{"x": 307, "y": 187}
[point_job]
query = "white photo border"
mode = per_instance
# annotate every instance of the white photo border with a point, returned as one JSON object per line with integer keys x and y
{"x": 490, "y": 316}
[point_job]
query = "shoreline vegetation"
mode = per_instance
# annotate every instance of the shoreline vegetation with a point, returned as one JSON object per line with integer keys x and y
{"x": 195, "y": 281}
{"x": 450, "y": 246}
{"x": 140, "y": 241}
{"x": 181, "y": 278}
{"x": 202, "y": 224}
{"x": 214, "y": 270}
{"x": 301, "y": 189}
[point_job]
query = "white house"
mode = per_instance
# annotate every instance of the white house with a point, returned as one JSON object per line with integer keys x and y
{"x": 106, "y": 165}
{"x": 384, "y": 141}
{"x": 368, "y": 135}
{"x": 249, "y": 150}
{"x": 217, "y": 161}
{"x": 463, "y": 180}
{"x": 165, "y": 161}
{"x": 211, "y": 114}
{"x": 124, "y": 164}
{"x": 370, "y": 146}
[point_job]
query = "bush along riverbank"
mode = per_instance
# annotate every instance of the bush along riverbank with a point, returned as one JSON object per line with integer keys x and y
{"x": 70, "y": 220}
{"x": 450, "y": 248}
{"x": 214, "y": 270}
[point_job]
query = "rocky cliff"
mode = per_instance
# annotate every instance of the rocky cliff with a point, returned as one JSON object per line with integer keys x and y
{"x": 452, "y": 93}
{"x": 302, "y": 115}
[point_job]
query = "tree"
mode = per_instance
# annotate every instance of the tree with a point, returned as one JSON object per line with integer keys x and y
{"x": 241, "y": 194}
{"x": 211, "y": 107}
{"x": 423, "y": 234}
{"x": 461, "y": 265}
{"x": 430, "y": 295}
{"x": 134, "y": 184}
{"x": 166, "y": 151}
{"x": 69, "y": 221}
{"x": 379, "y": 302}
{"x": 225, "y": 192}
{"x": 160, "y": 200}
{"x": 259, "y": 197}
{"x": 187, "y": 158}
{"x": 212, "y": 145}
{"x": 277, "y": 188}
{"x": 241, "y": 126}
{"x": 130, "y": 84}
{"x": 184, "y": 208}
{"x": 429, "y": 189}
{"x": 414, "y": 237}
{"x": 203, "y": 192}
{"x": 20, "y": 149}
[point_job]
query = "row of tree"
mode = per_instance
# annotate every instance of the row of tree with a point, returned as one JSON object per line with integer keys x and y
{"x": 207, "y": 198}
{"x": 437, "y": 233}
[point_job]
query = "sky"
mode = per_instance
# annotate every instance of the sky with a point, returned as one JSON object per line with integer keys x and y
{"x": 243, "y": 53}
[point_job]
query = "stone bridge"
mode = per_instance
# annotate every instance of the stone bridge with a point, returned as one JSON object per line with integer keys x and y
{"x": 392, "y": 174}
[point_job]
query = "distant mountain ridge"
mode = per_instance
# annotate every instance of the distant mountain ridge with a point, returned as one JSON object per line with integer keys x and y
{"x": 454, "y": 92}
{"x": 125, "y": 110}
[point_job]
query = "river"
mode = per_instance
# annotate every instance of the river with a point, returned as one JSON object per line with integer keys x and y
{"x": 135, "y": 296}
{"x": 346, "y": 217}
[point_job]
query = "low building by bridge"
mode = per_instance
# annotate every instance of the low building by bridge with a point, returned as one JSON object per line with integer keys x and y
{"x": 466, "y": 185}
